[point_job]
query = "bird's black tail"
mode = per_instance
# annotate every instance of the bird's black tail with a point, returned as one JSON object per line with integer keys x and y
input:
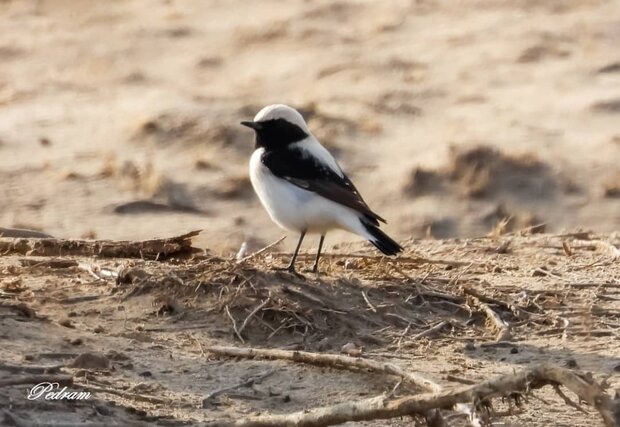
{"x": 382, "y": 241}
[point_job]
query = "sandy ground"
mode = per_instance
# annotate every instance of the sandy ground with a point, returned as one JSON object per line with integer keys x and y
{"x": 119, "y": 120}
{"x": 153, "y": 332}
{"x": 105, "y": 103}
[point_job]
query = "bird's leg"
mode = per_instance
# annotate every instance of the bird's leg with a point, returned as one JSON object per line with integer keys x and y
{"x": 291, "y": 266}
{"x": 315, "y": 269}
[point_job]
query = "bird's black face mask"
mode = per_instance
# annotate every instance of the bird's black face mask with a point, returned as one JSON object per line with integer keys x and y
{"x": 276, "y": 134}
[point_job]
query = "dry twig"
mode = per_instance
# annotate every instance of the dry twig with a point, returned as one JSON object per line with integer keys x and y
{"x": 125, "y": 394}
{"x": 257, "y": 253}
{"x": 234, "y": 324}
{"x": 501, "y": 328}
{"x": 515, "y": 309}
{"x": 370, "y": 306}
{"x": 333, "y": 360}
{"x": 209, "y": 399}
{"x": 430, "y": 330}
{"x": 256, "y": 310}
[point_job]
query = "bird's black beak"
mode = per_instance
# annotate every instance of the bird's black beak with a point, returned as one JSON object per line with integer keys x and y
{"x": 252, "y": 125}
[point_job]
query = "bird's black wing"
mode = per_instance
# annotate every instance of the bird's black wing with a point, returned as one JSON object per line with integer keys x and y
{"x": 309, "y": 173}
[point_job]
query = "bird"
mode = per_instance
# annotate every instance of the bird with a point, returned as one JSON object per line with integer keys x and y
{"x": 303, "y": 188}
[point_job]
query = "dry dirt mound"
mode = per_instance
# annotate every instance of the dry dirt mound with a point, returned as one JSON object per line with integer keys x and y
{"x": 485, "y": 172}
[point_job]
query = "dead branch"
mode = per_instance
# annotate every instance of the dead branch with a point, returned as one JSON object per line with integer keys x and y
{"x": 332, "y": 360}
{"x": 148, "y": 249}
{"x": 501, "y": 328}
{"x": 380, "y": 407}
{"x": 567, "y": 399}
{"x": 23, "y": 233}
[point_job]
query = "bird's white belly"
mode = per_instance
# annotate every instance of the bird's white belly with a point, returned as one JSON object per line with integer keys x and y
{"x": 294, "y": 208}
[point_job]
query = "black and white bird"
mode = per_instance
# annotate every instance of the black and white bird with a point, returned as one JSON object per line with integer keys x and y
{"x": 301, "y": 185}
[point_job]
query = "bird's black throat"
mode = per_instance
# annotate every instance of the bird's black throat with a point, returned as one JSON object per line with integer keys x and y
{"x": 278, "y": 134}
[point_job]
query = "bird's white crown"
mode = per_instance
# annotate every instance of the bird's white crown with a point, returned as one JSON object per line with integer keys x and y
{"x": 281, "y": 111}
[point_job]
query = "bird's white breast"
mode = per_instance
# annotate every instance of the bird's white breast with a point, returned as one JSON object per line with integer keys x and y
{"x": 294, "y": 208}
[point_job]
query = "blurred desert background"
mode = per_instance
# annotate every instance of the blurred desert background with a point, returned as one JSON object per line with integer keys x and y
{"x": 119, "y": 119}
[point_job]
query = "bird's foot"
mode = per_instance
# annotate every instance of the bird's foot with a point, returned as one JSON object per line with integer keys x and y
{"x": 290, "y": 270}
{"x": 313, "y": 270}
